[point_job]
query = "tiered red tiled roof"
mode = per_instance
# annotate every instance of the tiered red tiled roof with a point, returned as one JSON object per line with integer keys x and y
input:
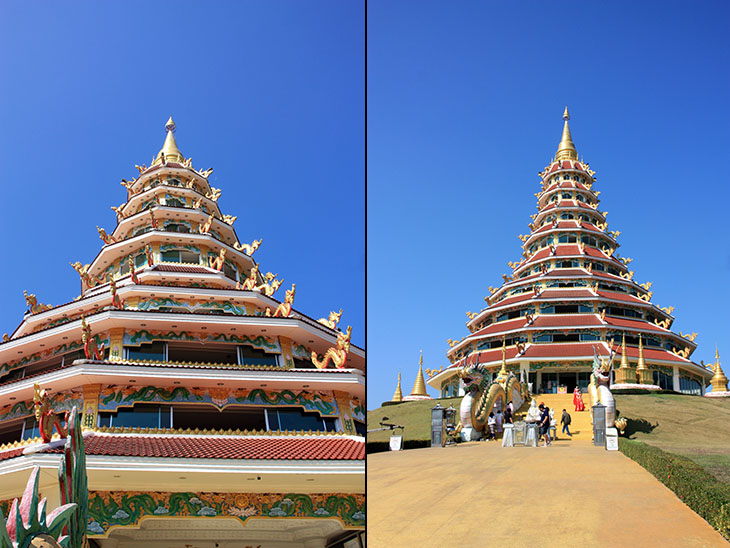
{"x": 634, "y": 324}
{"x": 567, "y": 350}
{"x": 563, "y": 250}
{"x": 214, "y": 447}
{"x": 618, "y": 296}
{"x": 568, "y": 293}
{"x": 526, "y": 296}
{"x": 188, "y": 269}
{"x": 652, "y": 354}
{"x": 574, "y": 320}
{"x": 501, "y": 327}
{"x": 12, "y": 453}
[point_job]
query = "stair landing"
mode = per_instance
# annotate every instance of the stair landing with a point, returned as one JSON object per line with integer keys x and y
{"x": 581, "y": 425}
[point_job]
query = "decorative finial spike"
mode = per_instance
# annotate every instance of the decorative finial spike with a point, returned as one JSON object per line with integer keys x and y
{"x": 170, "y": 125}
{"x": 566, "y": 115}
{"x": 566, "y": 148}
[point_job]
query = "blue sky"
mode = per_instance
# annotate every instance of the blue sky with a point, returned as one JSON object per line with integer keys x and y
{"x": 269, "y": 94}
{"x": 464, "y": 108}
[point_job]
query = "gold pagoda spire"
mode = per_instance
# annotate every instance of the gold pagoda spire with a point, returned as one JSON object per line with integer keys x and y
{"x": 623, "y": 374}
{"x": 398, "y": 396}
{"x": 169, "y": 149}
{"x": 503, "y": 372}
{"x": 566, "y": 148}
{"x": 645, "y": 376}
{"x": 719, "y": 380}
{"x": 624, "y": 357}
{"x": 419, "y": 387}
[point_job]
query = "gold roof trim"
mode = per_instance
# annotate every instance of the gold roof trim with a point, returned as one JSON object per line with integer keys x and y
{"x": 209, "y": 432}
{"x": 566, "y": 148}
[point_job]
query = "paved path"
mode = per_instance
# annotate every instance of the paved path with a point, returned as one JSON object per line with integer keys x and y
{"x": 480, "y": 494}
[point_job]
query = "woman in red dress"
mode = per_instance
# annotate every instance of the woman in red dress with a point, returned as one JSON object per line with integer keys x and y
{"x": 578, "y": 400}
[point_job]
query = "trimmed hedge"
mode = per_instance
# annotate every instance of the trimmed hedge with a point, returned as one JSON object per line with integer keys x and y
{"x": 645, "y": 391}
{"x": 699, "y": 490}
{"x": 380, "y": 446}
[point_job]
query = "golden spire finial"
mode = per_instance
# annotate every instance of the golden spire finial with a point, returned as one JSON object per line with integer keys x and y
{"x": 719, "y": 380}
{"x": 624, "y": 357}
{"x": 641, "y": 364}
{"x": 419, "y": 387}
{"x": 169, "y": 149}
{"x": 503, "y": 371}
{"x": 566, "y": 148}
{"x": 398, "y": 396}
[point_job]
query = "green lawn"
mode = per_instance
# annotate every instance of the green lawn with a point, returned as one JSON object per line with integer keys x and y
{"x": 693, "y": 426}
{"x": 415, "y": 415}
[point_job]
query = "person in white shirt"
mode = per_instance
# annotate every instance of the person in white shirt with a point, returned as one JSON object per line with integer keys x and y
{"x": 491, "y": 423}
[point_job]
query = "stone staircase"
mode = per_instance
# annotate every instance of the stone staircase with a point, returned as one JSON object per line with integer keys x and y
{"x": 581, "y": 426}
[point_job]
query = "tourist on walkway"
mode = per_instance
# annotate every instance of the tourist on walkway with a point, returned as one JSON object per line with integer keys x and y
{"x": 578, "y": 400}
{"x": 499, "y": 418}
{"x": 508, "y": 414}
{"x": 491, "y": 422}
{"x": 552, "y": 431}
{"x": 544, "y": 422}
{"x": 565, "y": 421}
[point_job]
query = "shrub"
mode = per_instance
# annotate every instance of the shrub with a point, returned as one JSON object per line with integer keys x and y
{"x": 701, "y": 491}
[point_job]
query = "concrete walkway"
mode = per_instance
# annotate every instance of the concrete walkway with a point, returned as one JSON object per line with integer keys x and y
{"x": 480, "y": 494}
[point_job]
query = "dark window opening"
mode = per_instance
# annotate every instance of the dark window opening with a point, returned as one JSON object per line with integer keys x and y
{"x": 254, "y": 356}
{"x": 296, "y": 419}
{"x": 210, "y": 418}
{"x": 570, "y": 337}
{"x": 181, "y": 352}
{"x": 154, "y": 351}
{"x": 304, "y": 364}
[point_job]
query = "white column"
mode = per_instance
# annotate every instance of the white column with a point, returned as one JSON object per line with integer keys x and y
{"x": 461, "y": 388}
{"x": 675, "y": 378}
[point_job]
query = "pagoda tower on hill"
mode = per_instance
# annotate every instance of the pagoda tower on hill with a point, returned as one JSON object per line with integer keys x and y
{"x": 212, "y": 410}
{"x": 419, "y": 386}
{"x": 571, "y": 293}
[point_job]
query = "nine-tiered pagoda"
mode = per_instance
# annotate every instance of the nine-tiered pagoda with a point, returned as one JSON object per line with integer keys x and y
{"x": 571, "y": 294}
{"x": 212, "y": 409}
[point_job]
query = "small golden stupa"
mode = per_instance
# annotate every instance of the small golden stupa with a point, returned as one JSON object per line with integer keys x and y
{"x": 419, "y": 387}
{"x": 719, "y": 380}
{"x": 398, "y": 396}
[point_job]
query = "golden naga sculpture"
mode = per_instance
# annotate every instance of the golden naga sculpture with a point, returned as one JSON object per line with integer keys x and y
{"x": 46, "y": 416}
{"x": 117, "y": 302}
{"x": 338, "y": 355}
{"x": 593, "y": 206}
{"x": 214, "y": 194}
{"x": 34, "y": 305}
{"x": 217, "y": 263}
{"x": 188, "y": 163}
{"x": 119, "y": 212}
{"x": 334, "y": 319}
{"x": 128, "y": 184}
{"x": 471, "y": 315}
{"x": 433, "y": 372}
{"x": 626, "y": 260}
{"x": 647, "y": 285}
{"x": 646, "y": 296}
{"x": 284, "y": 309}
{"x": 668, "y": 310}
{"x": 249, "y": 284}
{"x": 197, "y": 203}
{"x": 627, "y": 275}
{"x": 684, "y": 352}
{"x": 513, "y": 264}
{"x": 141, "y": 168}
{"x": 271, "y": 285}
{"x": 506, "y": 278}
{"x": 521, "y": 347}
{"x": 86, "y": 278}
{"x": 248, "y": 249}
{"x": 205, "y": 227}
{"x": 229, "y": 219}
{"x": 615, "y": 234}
{"x": 148, "y": 255}
{"x": 691, "y": 337}
{"x": 133, "y": 270}
{"x": 594, "y": 287}
{"x": 91, "y": 351}
{"x": 620, "y": 423}
{"x": 663, "y": 323}
{"x": 601, "y": 226}
{"x": 533, "y": 216}
{"x": 105, "y": 237}
{"x": 491, "y": 290}
{"x": 523, "y": 238}
{"x": 603, "y": 314}
{"x": 205, "y": 174}
{"x": 153, "y": 220}
{"x": 451, "y": 342}
{"x": 582, "y": 247}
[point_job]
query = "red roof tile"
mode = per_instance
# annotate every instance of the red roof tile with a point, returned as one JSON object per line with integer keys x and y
{"x": 501, "y": 327}
{"x": 635, "y": 324}
{"x": 564, "y": 250}
{"x": 181, "y": 268}
{"x": 5, "y": 455}
{"x": 223, "y": 447}
{"x": 526, "y": 296}
{"x": 577, "y": 320}
{"x": 568, "y": 350}
{"x": 566, "y": 293}
{"x": 618, "y": 296}
{"x": 652, "y": 354}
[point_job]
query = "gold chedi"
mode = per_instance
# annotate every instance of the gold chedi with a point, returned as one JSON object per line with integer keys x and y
{"x": 398, "y": 396}
{"x": 719, "y": 380}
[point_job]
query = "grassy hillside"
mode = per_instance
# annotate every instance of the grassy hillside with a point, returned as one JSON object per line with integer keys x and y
{"x": 693, "y": 426}
{"x": 414, "y": 415}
